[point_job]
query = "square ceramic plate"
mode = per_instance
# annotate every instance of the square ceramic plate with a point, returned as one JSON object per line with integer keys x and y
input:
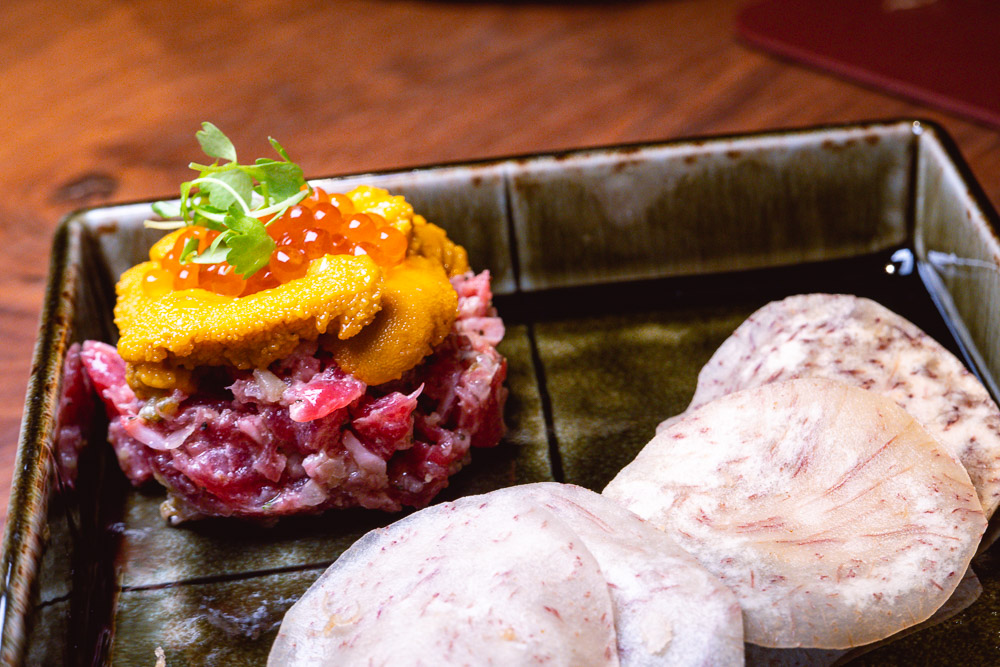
{"x": 618, "y": 272}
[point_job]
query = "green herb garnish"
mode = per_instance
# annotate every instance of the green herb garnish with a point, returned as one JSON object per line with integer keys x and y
{"x": 231, "y": 198}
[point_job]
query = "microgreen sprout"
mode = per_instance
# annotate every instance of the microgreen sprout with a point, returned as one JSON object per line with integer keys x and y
{"x": 232, "y": 198}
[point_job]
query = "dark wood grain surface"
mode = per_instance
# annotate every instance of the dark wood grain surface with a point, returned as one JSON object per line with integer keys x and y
{"x": 99, "y": 102}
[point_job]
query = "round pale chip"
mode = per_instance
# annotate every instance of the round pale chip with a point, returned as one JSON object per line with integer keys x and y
{"x": 669, "y": 610}
{"x": 480, "y": 581}
{"x": 860, "y": 342}
{"x": 831, "y": 513}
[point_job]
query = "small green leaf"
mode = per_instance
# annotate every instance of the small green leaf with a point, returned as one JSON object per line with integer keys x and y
{"x": 283, "y": 179}
{"x": 210, "y": 224}
{"x": 250, "y": 246}
{"x": 222, "y": 198}
{"x": 167, "y": 209}
{"x": 211, "y": 256}
{"x": 215, "y": 143}
{"x": 190, "y": 247}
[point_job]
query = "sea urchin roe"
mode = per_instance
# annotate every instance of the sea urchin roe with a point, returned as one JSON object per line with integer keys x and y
{"x": 430, "y": 241}
{"x": 419, "y": 306}
{"x": 175, "y": 317}
{"x": 160, "y": 377}
{"x": 196, "y": 327}
{"x": 393, "y": 208}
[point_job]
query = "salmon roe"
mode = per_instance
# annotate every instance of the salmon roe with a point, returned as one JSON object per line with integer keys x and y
{"x": 322, "y": 224}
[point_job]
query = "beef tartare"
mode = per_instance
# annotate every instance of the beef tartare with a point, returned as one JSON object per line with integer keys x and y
{"x": 289, "y": 351}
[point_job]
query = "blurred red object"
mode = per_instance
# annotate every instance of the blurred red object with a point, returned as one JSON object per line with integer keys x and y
{"x": 945, "y": 53}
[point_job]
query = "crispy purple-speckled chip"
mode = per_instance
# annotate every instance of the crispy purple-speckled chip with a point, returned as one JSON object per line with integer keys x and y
{"x": 669, "y": 610}
{"x": 535, "y": 574}
{"x": 860, "y": 342}
{"x": 831, "y": 513}
{"x": 482, "y": 580}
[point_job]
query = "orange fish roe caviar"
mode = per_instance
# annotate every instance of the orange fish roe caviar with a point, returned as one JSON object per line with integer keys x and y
{"x": 322, "y": 224}
{"x": 402, "y": 309}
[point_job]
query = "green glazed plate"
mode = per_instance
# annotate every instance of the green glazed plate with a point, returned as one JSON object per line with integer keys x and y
{"x": 618, "y": 272}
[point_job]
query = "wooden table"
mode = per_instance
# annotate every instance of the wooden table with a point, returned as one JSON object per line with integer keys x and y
{"x": 100, "y": 102}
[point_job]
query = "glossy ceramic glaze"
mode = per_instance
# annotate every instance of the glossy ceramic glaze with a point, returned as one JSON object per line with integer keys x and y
{"x": 618, "y": 271}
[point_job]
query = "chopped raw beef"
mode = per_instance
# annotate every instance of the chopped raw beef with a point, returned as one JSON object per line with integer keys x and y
{"x": 303, "y": 436}
{"x": 76, "y": 404}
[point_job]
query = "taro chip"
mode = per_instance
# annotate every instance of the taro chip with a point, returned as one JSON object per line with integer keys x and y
{"x": 859, "y": 342}
{"x": 834, "y": 517}
{"x": 669, "y": 610}
{"x": 482, "y": 576}
{"x": 533, "y": 574}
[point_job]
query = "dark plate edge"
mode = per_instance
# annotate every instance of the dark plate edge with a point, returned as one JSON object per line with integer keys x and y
{"x": 936, "y": 288}
{"x": 519, "y": 158}
{"x": 969, "y": 180}
{"x": 24, "y": 533}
